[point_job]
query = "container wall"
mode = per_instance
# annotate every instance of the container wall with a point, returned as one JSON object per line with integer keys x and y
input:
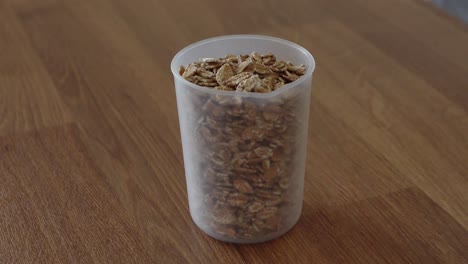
{"x": 244, "y": 156}
{"x": 244, "y": 161}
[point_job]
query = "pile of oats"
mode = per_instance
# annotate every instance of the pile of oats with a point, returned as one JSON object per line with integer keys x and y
{"x": 243, "y": 73}
{"x": 247, "y": 155}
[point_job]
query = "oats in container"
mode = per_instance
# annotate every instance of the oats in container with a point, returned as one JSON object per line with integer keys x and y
{"x": 243, "y": 120}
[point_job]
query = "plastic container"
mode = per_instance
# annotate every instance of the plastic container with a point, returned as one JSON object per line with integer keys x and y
{"x": 244, "y": 153}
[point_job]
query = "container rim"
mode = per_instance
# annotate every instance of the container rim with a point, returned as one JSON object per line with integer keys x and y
{"x": 285, "y": 88}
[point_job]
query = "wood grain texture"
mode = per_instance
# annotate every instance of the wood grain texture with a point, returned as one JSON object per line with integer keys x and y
{"x": 28, "y": 98}
{"x": 91, "y": 164}
{"x": 360, "y": 232}
{"x": 66, "y": 207}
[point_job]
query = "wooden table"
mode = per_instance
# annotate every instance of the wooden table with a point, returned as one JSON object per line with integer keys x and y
{"x": 90, "y": 153}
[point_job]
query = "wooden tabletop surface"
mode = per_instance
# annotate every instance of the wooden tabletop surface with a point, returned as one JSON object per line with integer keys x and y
{"x": 91, "y": 166}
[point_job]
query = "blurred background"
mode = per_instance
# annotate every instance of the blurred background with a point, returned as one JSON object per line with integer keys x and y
{"x": 458, "y": 8}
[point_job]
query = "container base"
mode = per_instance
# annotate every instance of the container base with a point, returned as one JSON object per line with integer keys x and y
{"x": 252, "y": 240}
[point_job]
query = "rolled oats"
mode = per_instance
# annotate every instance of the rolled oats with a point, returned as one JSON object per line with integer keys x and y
{"x": 268, "y": 59}
{"x": 243, "y": 186}
{"x": 290, "y": 76}
{"x": 279, "y": 66}
{"x": 256, "y": 57}
{"x": 267, "y": 212}
{"x": 261, "y": 69}
{"x": 224, "y": 73}
{"x": 237, "y": 199}
{"x": 190, "y": 71}
{"x": 238, "y": 78}
{"x": 223, "y": 215}
{"x": 264, "y": 152}
{"x": 245, "y": 65}
{"x": 255, "y": 207}
{"x": 246, "y": 164}
{"x": 181, "y": 70}
{"x": 249, "y": 84}
{"x": 271, "y": 173}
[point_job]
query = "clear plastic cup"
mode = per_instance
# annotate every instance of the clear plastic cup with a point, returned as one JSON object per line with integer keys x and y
{"x": 244, "y": 153}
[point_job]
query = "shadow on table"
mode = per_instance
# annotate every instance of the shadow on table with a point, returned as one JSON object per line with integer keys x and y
{"x": 400, "y": 227}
